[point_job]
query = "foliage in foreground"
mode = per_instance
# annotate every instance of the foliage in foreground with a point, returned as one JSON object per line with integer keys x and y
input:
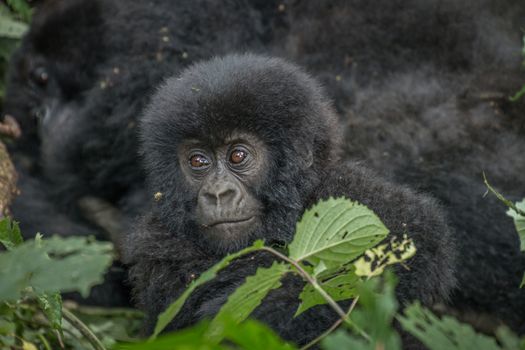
{"x": 14, "y": 18}
{"x": 340, "y": 249}
{"x": 517, "y": 212}
{"x": 32, "y": 275}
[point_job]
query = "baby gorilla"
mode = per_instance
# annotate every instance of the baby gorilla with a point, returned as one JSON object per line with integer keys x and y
{"x": 235, "y": 149}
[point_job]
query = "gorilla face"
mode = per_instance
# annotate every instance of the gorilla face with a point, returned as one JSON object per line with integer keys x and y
{"x": 223, "y": 177}
{"x": 236, "y": 145}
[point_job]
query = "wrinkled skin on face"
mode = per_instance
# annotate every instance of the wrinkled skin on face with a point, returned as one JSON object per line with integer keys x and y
{"x": 227, "y": 211}
{"x": 236, "y": 161}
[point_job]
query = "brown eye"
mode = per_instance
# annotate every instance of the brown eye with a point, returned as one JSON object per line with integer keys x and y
{"x": 237, "y": 156}
{"x": 198, "y": 161}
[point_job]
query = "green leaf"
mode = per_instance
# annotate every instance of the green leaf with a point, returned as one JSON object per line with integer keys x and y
{"x": 169, "y": 314}
{"x": 187, "y": 339}
{"x": 21, "y": 8}
{"x": 10, "y": 235}
{"x": 375, "y": 260}
{"x": 336, "y": 231}
{"x": 253, "y": 335}
{"x": 376, "y": 309}
{"x": 502, "y": 199}
{"x": 518, "y": 94}
{"x": 63, "y": 264}
{"x": 374, "y": 316}
{"x": 443, "y": 333}
{"x": 341, "y": 339}
{"x": 51, "y": 305}
{"x": 519, "y": 221}
{"x": 10, "y": 27}
{"x": 249, "y": 295}
{"x": 339, "y": 287}
{"x": 249, "y": 335}
{"x": 509, "y": 340}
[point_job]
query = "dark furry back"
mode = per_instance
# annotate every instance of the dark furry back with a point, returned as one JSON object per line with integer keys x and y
{"x": 423, "y": 89}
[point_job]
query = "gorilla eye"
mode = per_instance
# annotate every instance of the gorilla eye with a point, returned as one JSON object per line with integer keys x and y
{"x": 199, "y": 161}
{"x": 237, "y": 156}
{"x": 40, "y": 76}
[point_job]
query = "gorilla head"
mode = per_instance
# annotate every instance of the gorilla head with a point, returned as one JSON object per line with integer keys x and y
{"x": 235, "y": 145}
{"x": 52, "y": 67}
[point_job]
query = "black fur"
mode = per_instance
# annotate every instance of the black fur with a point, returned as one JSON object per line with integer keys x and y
{"x": 80, "y": 129}
{"x": 79, "y": 139}
{"x": 287, "y": 109}
{"x": 421, "y": 87}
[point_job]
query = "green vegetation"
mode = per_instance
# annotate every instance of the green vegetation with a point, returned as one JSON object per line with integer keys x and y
{"x": 14, "y": 18}
{"x": 328, "y": 252}
{"x": 35, "y": 272}
{"x": 517, "y": 212}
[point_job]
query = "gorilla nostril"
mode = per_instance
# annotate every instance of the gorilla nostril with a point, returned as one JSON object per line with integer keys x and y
{"x": 220, "y": 196}
{"x": 225, "y": 195}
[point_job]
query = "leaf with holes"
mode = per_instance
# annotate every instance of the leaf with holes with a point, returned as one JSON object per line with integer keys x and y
{"x": 375, "y": 260}
{"x": 336, "y": 231}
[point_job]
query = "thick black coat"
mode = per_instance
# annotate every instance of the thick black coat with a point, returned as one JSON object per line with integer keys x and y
{"x": 423, "y": 89}
{"x": 289, "y": 112}
{"x": 103, "y": 60}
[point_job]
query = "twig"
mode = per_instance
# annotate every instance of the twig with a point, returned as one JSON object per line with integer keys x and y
{"x": 501, "y": 198}
{"x": 343, "y": 316}
{"x": 102, "y": 311}
{"x": 334, "y": 326}
{"x": 83, "y": 329}
{"x": 59, "y": 337}
{"x": 44, "y": 341}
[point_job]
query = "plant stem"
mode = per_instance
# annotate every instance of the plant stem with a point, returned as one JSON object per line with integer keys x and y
{"x": 83, "y": 329}
{"x": 334, "y": 326}
{"x": 44, "y": 341}
{"x": 500, "y": 196}
{"x": 310, "y": 280}
{"x": 104, "y": 312}
{"x": 343, "y": 316}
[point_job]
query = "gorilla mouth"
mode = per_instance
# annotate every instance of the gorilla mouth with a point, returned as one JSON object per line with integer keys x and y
{"x": 230, "y": 221}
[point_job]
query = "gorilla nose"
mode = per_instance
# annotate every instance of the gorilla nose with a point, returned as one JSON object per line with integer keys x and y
{"x": 219, "y": 196}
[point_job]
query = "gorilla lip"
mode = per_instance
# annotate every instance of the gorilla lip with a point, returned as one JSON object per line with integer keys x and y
{"x": 229, "y": 221}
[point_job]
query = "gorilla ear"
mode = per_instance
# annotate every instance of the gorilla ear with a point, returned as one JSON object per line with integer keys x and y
{"x": 306, "y": 154}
